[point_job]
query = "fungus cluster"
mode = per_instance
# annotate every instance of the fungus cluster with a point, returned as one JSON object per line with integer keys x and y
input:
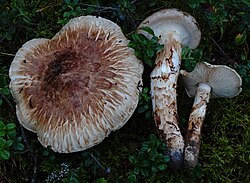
{"x": 74, "y": 89}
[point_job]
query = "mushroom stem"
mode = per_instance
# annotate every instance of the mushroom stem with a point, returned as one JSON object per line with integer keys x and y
{"x": 196, "y": 118}
{"x": 163, "y": 94}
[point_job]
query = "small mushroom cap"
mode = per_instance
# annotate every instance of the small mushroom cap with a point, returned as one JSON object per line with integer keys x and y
{"x": 224, "y": 81}
{"x": 74, "y": 89}
{"x": 173, "y": 21}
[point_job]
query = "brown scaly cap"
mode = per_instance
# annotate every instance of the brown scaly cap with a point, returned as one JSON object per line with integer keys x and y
{"x": 74, "y": 89}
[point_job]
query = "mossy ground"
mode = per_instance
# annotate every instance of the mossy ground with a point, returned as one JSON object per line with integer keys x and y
{"x": 225, "y": 147}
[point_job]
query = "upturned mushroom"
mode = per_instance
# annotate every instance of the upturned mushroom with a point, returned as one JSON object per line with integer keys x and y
{"x": 217, "y": 81}
{"x": 174, "y": 29}
{"x": 74, "y": 89}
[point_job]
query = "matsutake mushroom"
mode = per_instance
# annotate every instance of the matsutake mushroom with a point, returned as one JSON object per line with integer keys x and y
{"x": 174, "y": 29}
{"x": 217, "y": 81}
{"x": 74, "y": 89}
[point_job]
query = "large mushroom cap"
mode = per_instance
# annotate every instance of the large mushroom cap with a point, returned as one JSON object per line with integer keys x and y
{"x": 175, "y": 21}
{"x": 224, "y": 81}
{"x": 74, "y": 89}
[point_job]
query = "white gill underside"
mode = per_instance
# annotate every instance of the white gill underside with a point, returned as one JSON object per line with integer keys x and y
{"x": 163, "y": 94}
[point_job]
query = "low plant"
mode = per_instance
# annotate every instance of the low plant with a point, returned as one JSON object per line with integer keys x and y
{"x": 191, "y": 57}
{"x": 124, "y": 10}
{"x": 7, "y": 134}
{"x": 145, "y": 49}
{"x": 71, "y": 9}
{"x": 49, "y": 154}
{"x": 144, "y": 105}
{"x": 9, "y": 140}
{"x": 149, "y": 160}
{"x": 4, "y": 83}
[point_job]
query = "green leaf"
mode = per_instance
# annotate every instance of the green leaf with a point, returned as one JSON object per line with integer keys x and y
{"x": 132, "y": 178}
{"x": 155, "y": 40}
{"x": 101, "y": 180}
{"x": 194, "y": 4}
{"x": 5, "y": 91}
{"x": 162, "y": 167}
{"x": 197, "y": 54}
{"x": 135, "y": 36}
{"x": 148, "y": 114}
{"x": 11, "y": 134}
{"x": 136, "y": 171}
{"x": 9, "y": 143}
{"x": 145, "y": 90}
{"x": 240, "y": 39}
{"x": 185, "y": 52}
{"x": 132, "y": 45}
{"x": 8, "y": 36}
{"x": 149, "y": 62}
{"x": 141, "y": 110}
{"x": 141, "y": 39}
{"x": 19, "y": 139}
{"x": 2, "y": 142}
{"x": 146, "y": 106}
{"x": 152, "y": 137}
{"x": 78, "y": 9}
{"x": 1, "y": 101}
{"x": 10, "y": 126}
{"x": 166, "y": 159}
{"x": 145, "y": 172}
{"x": 67, "y": 2}
{"x": 2, "y": 133}
{"x": 150, "y": 52}
{"x": 159, "y": 47}
{"x": 154, "y": 169}
{"x": 90, "y": 10}
{"x": 132, "y": 159}
{"x": 66, "y": 14}
{"x": 153, "y": 153}
{"x": 3, "y": 82}
{"x": 144, "y": 147}
{"x": 148, "y": 30}
{"x": 2, "y": 126}
{"x": 19, "y": 146}
{"x": 45, "y": 153}
{"x": 4, "y": 154}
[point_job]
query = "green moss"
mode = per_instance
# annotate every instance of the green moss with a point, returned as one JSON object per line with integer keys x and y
{"x": 225, "y": 144}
